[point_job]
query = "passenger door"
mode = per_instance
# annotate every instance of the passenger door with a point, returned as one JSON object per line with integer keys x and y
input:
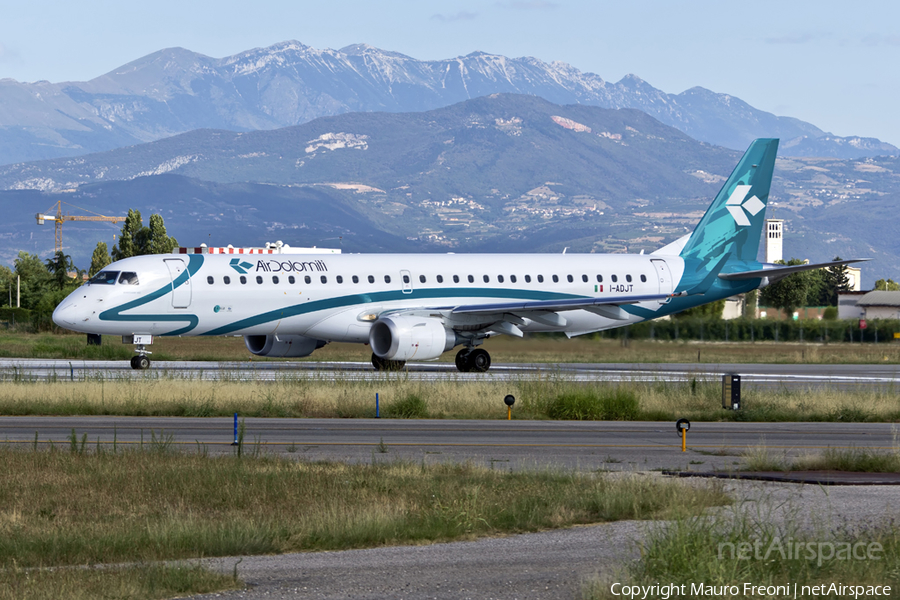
{"x": 181, "y": 294}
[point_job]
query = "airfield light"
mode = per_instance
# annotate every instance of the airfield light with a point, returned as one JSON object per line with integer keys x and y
{"x": 509, "y": 400}
{"x": 682, "y": 426}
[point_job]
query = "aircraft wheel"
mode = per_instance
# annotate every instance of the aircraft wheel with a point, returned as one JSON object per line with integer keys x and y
{"x": 479, "y": 360}
{"x": 140, "y": 362}
{"x": 462, "y": 361}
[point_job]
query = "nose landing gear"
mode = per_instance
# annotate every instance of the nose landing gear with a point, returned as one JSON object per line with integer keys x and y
{"x": 140, "y": 362}
{"x": 477, "y": 360}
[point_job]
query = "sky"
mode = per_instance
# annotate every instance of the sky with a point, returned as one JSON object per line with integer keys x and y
{"x": 835, "y": 64}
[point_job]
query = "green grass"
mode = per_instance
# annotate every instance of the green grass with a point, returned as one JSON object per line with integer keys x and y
{"x": 708, "y": 551}
{"x": 87, "y": 507}
{"x": 142, "y": 582}
{"x": 856, "y": 460}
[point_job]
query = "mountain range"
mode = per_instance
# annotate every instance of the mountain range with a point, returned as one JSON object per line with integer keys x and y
{"x": 174, "y": 91}
{"x": 504, "y": 172}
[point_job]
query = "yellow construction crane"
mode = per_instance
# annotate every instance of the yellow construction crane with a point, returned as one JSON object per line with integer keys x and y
{"x": 60, "y": 218}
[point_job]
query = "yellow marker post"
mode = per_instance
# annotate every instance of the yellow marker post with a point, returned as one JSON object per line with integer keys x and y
{"x": 509, "y": 400}
{"x": 682, "y": 426}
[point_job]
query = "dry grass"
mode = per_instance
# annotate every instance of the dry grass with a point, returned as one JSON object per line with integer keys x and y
{"x": 144, "y": 582}
{"x": 312, "y": 396}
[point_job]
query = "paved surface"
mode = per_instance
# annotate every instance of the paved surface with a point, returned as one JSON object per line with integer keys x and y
{"x": 754, "y": 376}
{"x": 549, "y": 565}
{"x": 591, "y": 445}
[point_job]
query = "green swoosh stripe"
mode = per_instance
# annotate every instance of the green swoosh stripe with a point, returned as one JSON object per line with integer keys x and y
{"x": 376, "y": 297}
{"x": 115, "y": 313}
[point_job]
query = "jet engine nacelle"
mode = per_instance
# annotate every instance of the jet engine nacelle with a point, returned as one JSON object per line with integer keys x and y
{"x": 282, "y": 346}
{"x": 404, "y": 337}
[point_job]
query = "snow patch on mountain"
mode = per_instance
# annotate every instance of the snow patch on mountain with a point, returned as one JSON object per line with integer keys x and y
{"x": 335, "y": 141}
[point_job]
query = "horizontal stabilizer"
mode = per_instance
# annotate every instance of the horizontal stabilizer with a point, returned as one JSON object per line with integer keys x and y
{"x": 776, "y": 272}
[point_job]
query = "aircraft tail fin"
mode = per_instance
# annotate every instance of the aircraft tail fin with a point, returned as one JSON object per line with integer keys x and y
{"x": 732, "y": 225}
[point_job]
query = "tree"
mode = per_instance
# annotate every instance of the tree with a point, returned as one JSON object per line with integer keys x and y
{"x": 887, "y": 286}
{"x": 158, "y": 241}
{"x": 131, "y": 228}
{"x": 790, "y": 292}
{"x": 834, "y": 281}
{"x": 137, "y": 240}
{"x": 60, "y": 266}
{"x": 35, "y": 278}
{"x": 99, "y": 259}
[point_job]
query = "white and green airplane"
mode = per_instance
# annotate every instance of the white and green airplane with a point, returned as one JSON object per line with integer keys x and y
{"x": 418, "y": 306}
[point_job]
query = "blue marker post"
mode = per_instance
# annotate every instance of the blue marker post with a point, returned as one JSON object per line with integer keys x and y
{"x": 235, "y": 442}
{"x": 377, "y": 416}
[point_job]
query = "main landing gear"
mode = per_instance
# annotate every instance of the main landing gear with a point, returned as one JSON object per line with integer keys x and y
{"x": 477, "y": 360}
{"x": 384, "y": 364}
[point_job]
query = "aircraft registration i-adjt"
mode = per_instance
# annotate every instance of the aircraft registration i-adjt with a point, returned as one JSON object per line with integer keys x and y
{"x": 418, "y": 306}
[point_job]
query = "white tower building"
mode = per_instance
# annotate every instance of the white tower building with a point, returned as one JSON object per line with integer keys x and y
{"x": 774, "y": 238}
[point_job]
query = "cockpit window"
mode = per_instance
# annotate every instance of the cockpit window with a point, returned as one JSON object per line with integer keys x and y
{"x": 128, "y": 278}
{"x": 104, "y": 278}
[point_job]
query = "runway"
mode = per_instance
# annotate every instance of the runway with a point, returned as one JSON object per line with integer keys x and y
{"x": 754, "y": 376}
{"x": 616, "y": 445}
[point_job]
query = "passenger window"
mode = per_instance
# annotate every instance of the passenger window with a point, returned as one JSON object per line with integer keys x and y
{"x": 456, "y": 279}
{"x": 355, "y": 279}
{"x": 323, "y": 279}
{"x": 243, "y": 279}
{"x": 128, "y": 278}
{"x": 540, "y": 279}
{"x": 599, "y": 278}
{"x": 614, "y": 278}
{"x": 209, "y": 280}
{"x": 440, "y": 279}
{"x": 500, "y": 278}
{"x": 259, "y": 279}
{"x": 291, "y": 279}
{"x": 339, "y": 279}
{"x": 584, "y": 278}
{"x": 644, "y": 278}
{"x": 387, "y": 278}
{"x": 471, "y": 279}
{"x": 528, "y": 279}
{"x": 226, "y": 279}
{"x": 421, "y": 279}
{"x": 105, "y": 278}
{"x": 569, "y": 278}
{"x": 487, "y": 279}
{"x": 628, "y": 278}
{"x": 371, "y": 279}
{"x": 307, "y": 279}
{"x": 406, "y": 279}
{"x": 512, "y": 278}
{"x": 275, "y": 279}
{"x": 555, "y": 279}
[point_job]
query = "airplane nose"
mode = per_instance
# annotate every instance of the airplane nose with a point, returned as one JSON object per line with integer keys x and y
{"x": 64, "y": 314}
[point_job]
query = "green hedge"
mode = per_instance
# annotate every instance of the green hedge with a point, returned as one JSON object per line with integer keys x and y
{"x": 747, "y": 330}
{"x": 15, "y": 316}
